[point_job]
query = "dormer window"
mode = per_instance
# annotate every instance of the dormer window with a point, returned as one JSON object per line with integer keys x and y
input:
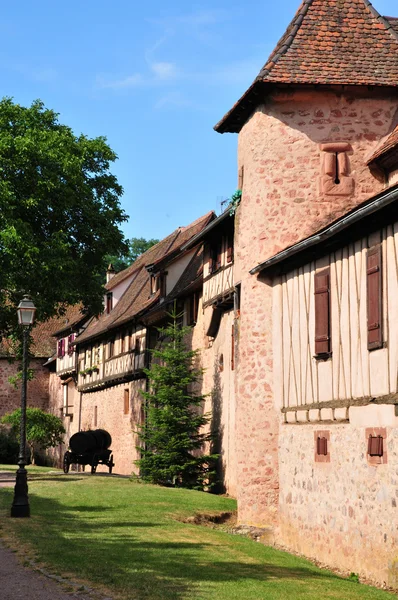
{"x": 335, "y": 178}
{"x": 158, "y": 282}
{"x": 109, "y": 302}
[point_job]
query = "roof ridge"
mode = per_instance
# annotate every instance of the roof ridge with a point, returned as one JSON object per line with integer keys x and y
{"x": 296, "y": 23}
{"x": 381, "y": 19}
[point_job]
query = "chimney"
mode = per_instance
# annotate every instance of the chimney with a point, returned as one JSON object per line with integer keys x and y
{"x": 110, "y": 272}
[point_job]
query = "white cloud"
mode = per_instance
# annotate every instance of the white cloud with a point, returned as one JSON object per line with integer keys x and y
{"x": 164, "y": 70}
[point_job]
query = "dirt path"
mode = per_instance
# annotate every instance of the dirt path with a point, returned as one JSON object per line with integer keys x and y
{"x": 18, "y": 582}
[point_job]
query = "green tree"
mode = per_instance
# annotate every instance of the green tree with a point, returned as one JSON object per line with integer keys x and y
{"x": 173, "y": 437}
{"x": 43, "y": 430}
{"x": 136, "y": 247}
{"x": 59, "y": 213}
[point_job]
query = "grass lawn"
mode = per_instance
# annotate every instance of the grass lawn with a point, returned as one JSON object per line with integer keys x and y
{"x": 125, "y": 537}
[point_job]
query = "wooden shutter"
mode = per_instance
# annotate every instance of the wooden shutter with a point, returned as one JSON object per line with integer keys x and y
{"x": 322, "y": 446}
{"x": 109, "y": 302}
{"x": 162, "y": 285}
{"x": 61, "y": 348}
{"x": 375, "y": 445}
{"x": 71, "y": 339}
{"x": 126, "y": 402}
{"x": 219, "y": 255}
{"x": 374, "y": 297}
{"x": 230, "y": 249}
{"x": 322, "y": 313}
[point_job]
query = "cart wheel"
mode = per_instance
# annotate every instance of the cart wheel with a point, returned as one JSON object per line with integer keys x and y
{"x": 66, "y": 463}
{"x": 93, "y": 469}
{"x": 111, "y": 465}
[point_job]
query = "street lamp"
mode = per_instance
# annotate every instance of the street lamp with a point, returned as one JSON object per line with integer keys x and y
{"x": 20, "y": 506}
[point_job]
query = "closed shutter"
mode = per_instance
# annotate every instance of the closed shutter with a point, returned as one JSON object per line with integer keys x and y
{"x": 61, "y": 348}
{"x": 162, "y": 278}
{"x": 374, "y": 297}
{"x": 322, "y": 313}
{"x": 219, "y": 256}
{"x": 211, "y": 261}
{"x": 230, "y": 249}
{"x": 126, "y": 402}
{"x": 71, "y": 339}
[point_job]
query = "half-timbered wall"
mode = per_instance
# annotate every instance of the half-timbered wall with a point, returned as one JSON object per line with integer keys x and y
{"x": 352, "y": 372}
{"x": 337, "y": 502}
{"x": 118, "y": 356}
{"x": 218, "y": 278}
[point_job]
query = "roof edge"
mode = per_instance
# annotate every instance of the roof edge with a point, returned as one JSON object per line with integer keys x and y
{"x": 373, "y": 205}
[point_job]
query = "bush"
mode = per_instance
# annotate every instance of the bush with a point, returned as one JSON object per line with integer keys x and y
{"x": 43, "y": 430}
{"x": 9, "y": 447}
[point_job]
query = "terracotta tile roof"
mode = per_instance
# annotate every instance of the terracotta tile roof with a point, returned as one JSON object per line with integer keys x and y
{"x": 44, "y": 342}
{"x": 331, "y": 42}
{"x": 163, "y": 249}
{"x": 190, "y": 280}
{"x": 137, "y": 296}
{"x": 390, "y": 143}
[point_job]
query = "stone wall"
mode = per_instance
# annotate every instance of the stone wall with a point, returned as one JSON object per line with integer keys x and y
{"x": 37, "y": 393}
{"x": 283, "y": 201}
{"x": 104, "y": 409}
{"x": 342, "y": 512}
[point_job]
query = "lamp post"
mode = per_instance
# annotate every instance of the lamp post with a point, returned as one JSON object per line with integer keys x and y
{"x": 20, "y": 506}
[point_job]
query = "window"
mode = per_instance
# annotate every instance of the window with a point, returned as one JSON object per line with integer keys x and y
{"x": 323, "y": 347}
{"x": 109, "y": 302}
{"x": 374, "y": 297}
{"x": 111, "y": 348}
{"x": 158, "y": 282}
{"x": 193, "y": 306}
{"x": 61, "y": 348}
{"x": 122, "y": 343}
{"x": 336, "y": 179}
{"x": 95, "y": 416}
{"x": 71, "y": 339}
{"x": 137, "y": 347}
{"x": 376, "y": 440}
{"x": 126, "y": 402}
{"x": 221, "y": 363}
{"x": 230, "y": 248}
{"x": 322, "y": 443}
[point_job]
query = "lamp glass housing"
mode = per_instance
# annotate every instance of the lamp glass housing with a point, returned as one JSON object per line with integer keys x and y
{"x": 26, "y": 312}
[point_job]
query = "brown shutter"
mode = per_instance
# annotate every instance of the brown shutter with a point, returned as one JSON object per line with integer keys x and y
{"x": 162, "y": 285}
{"x": 322, "y": 312}
{"x": 219, "y": 255}
{"x": 374, "y": 297}
{"x": 210, "y": 261}
{"x": 322, "y": 446}
{"x": 126, "y": 402}
{"x": 230, "y": 251}
{"x": 233, "y": 347}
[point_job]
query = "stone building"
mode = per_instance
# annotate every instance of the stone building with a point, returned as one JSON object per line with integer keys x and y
{"x": 316, "y": 364}
{"x": 103, "y": 372}
{"x": 292, "y": 298}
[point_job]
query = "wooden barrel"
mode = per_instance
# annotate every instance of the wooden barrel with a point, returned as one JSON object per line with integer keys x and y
{"x": 84, "y": 442}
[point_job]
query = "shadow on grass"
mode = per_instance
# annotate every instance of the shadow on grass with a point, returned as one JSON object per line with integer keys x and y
{"x": 155, "y": 568}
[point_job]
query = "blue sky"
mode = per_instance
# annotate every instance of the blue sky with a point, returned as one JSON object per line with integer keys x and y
{"x": 154, "y": 78}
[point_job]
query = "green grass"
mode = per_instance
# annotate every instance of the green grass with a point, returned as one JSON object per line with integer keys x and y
{"x": 126, "y": 538}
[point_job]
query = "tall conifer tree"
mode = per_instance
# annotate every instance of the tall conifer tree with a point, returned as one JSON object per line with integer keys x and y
{"x": 174, "y": 434}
